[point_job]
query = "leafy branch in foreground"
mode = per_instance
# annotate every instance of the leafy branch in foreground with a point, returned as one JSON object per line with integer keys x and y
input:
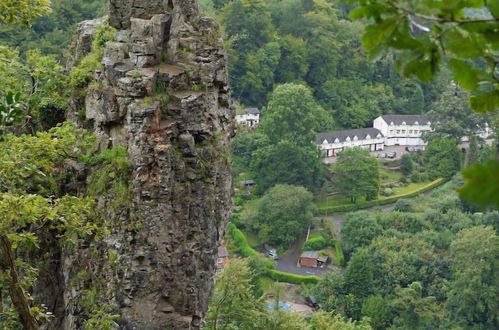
{"x": 22, "y": 12}
{"x": 427, "y": 33}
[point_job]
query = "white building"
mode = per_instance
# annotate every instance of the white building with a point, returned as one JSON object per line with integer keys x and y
{"x": 330, "y": 143}
{"x": 248, "y": 117}
{"x": 403, "y": 130}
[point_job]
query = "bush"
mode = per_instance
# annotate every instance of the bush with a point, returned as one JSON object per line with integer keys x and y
{"x": 293, "y": 278}
{"x": 403, "y": 205}
{"x": 340, "y": 258}
{"x": 315, "y": 243}
{"x": 403, "y": 180}
{"x": 387, "y": 192}
{"x": 241, "y": 244}
{"x": 416, "y": 177}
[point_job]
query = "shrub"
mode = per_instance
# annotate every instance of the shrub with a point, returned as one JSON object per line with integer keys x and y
{"x": 240, "y": 242}
{"x": 403, "y": 205}
{"x": 387, "y": 192}
{"x": 293, "y": 278}
{"x": 315, "y": 243}
{"x": 340, "y": 258}
{"x": 416, "y": 177}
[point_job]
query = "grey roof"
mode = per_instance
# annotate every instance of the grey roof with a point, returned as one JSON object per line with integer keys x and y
{"x": 222, "y": 251}
{"x": 360, "y": 133}
{"x": 252, "y": 111}
{"x": 310, "y": 254}
{"x": 408, "y": 119}
{"x": 247, "y": 182}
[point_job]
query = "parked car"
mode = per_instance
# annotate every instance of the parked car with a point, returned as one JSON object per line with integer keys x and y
{"x": 272, "y": 254}
{"x": 391, "y": 155}
{"x": 382, "y": 155}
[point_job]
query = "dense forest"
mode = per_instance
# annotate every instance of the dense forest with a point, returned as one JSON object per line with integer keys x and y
{"x": 423, "y": 254}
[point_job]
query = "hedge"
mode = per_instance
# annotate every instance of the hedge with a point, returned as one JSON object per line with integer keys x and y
{"x": 242, "y": 246}
{"x": 293, "y": 278}
{"x": 378, "y": 202}
{"x": 340, "y": 258}
{"x": 316, "y": 243}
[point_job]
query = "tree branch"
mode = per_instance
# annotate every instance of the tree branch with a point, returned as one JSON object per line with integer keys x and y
{"x": 17, "y": 295}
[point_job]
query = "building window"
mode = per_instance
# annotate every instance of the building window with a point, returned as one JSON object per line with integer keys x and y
{"x": 391, "y": 132}
{"x": 403, "y": 131}
{"x": 410, "y": 131}
{"x": 398, "y": 131}
{"x": 219, "y": 260}
{"x": 416, "y": 132}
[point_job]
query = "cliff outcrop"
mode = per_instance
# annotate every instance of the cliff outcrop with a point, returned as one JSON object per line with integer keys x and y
{"x": 161, "y": 93}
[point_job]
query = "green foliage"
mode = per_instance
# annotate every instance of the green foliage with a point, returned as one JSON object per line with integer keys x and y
{"x": 11, "y": 110}
{"x": 482, "y": 184}
{"x": 403, "y": 205}
{"x": 358, "y": 230}
{"x": 412, "y": 308}
{"x": 474, "y": 258}
{"x": 452, "y": 118}
{"x": 444, "y": 31}
{"x": 406, "y": 165}
{"x": 38, "y": 81}
{"x": 287, "y": 163}
{"x": 50, "y": 32}
{"x": 389, "y": 200}
{"x": 357, "y": 174}
{"x": 282, "y": 215}
{"x": 442, "y": 158}
{"x": 233, "y": 304}
{"x": 340, "y": 258}
{"x": 292, "y": 114}
{"x": 23, "y": 11}
{"x": 315, "y": 243}
{"x": 293, "y": 278}
{"x": 242, "y": 246}
{"x": 377, "y": 310}
{"x": 359, "y": 274}
{"x": 83, "y": 73}
{"x": 33, "y": 163}
{"x": 111, "y": 176}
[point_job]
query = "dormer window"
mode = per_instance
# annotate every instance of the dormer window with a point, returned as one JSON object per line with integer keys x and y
{"x": 391, "y": 123}
{"x": 355, "y": 138}
{"x": 378, "y": 136}
{"x": 324, "y": 142}
{"x": 348, "y": 139}
{"x": 368, "y": 136}
{"x": 416, "y": 123}
{"x": 403, "y": 123}
{"x": 336, "y": 140}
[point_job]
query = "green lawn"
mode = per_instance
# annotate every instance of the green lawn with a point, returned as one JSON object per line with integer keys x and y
{"x": 408, "y": 189}
{"x": 340, "y": 200}
{"x": 388, "y": 176}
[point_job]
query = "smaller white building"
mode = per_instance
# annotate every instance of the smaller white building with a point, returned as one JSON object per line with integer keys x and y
{"x": 403, "y": 130}
{"x": 248, "y": 117}
{"x": 331, "y": 143}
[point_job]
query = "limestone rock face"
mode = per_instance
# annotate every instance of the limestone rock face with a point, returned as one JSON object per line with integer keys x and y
{"x": 162, "y": 94}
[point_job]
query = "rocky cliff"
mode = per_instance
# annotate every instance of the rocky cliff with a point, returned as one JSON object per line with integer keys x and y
{"x": 161, "y": 93}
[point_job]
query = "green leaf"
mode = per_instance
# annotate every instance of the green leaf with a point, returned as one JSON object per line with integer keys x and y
{"x": 466, "y": 75}
{"x": 463, "y": 43}
{"x": 482, "y": 184}
{"x": 485, "y": 101}
{"x": 376, "y": 35}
